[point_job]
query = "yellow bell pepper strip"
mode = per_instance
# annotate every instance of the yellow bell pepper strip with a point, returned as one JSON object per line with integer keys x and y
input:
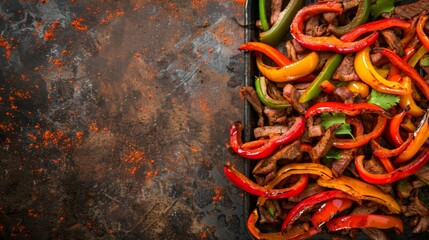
{"x": 366, "y": 221}
{"x": 375, "y": 26}
{"x": 351, "y": 109}
{"x": 405, "y": 68}
{"x": 279, "y": 58}
{"x": 417, "y": 56}
{"x": 330, "y": 43}
{"x": 407, "y": 102}
{"x": 309, "y": 202}
{"x": 419, "y": 138}
{"x": 281, "y": 27}
{"x": 360, "y": 140}
{"x": 289, "y": 72}
{"x": 263, "y": 151}
{"x": 361, "y": 17}
{"x": 397, "y": 174}
{"x": 267, "y": 100}
{"x": 358, "y": 87}
{"x": 367, "y": 73}
{"x": 253, "y": 188}
{"x": 420, "y": 31}
{"x": 327, "y": 72}
{"x": 303, "y": 231}
{"x": 361, "y": 190}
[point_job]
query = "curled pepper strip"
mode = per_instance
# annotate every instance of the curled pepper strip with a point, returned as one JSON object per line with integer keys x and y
{"x": 279, "y": 58}
{"x": 329, "y": 209}
{"x": 270, "y": 146}
{"x": 361, "y": 140}
{"x": 352, "y": 109}
{"x": 357, "y": 125}
{"x": 398, "y": 174}
{"x": 307, "y": 203}
{"x": 361, "y": 17}
{"x": 361, "y": 190}
{"x": 406, "y": 68}
{"x": 387, "y": 164}
{"x": 375, "y": 26}
{"x": 393, "y": 127}
{"x": 330, "y": 43}
{"x": 419, "y": 138}
{"x": 382, "y": 152}
{"x": 289, "y": 72}
{"x": 366, "y": 221}
{"x": 267, "y": 100}
{"x": 420, "y": 31}
{"x": 367, "y": 73}
{"x": 251, "y": 187}
{"x": 297, "y": 232}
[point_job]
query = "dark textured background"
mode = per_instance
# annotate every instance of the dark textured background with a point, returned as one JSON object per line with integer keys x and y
{"x": 114, "y": 116}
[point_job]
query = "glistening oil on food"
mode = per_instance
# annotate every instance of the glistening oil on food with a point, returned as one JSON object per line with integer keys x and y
{"x": 337, "y": 140}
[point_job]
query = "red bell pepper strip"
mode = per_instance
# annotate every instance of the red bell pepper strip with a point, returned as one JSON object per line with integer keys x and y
{"x": 330, "y": 43}
{"x": 394, "y": 73}
{"x": 420, "y": 31}
{"x": 406, "y": 68}
{"x": 374, "y": 26}
{"x": 393, "y": 129}
{"x": 251, "y": 187}
{"x": 279, "y": 58}
{"x": 270, "y": 146}
{"x": 366, "y": 221}
{"x": 307, "y": 203}
{"x": 382, "y": 152}
{"x": 357, "y": 125}
{"x": 327, "y": 87}
{"x": 304, "y": 147}
{"x": 419, "y": 138}
{"x": 361, "y": 140}
{"x": 329, "y": 209}
{"x": 398, "y": 174}
{"x": 387, "y": 164}
{"x": 303, "y": 231}
{"x": 352, "y": 109}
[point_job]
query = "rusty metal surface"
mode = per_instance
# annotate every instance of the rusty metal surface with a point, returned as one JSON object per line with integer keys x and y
{"x": 114, "y": 117}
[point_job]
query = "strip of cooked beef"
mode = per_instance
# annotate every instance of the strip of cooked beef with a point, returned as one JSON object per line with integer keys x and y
{"x": 298, "y": 48}
{"x": 346, "y": 70}
{"x": 416, "y": 207}
{"x": 276, "y": 7}
{"x": 288, "y": 152}
{"x": 344, "y": 94}
{"x": 292, "y": 96}
{"x": 393, "y": 41}
{"x": 349, "y": 4}
{"x": 251, "y": 96}
{"x": 267, "y": 131}
{"x": 275, "y": 116}
{"x": 422, "y": 173}
{"x": 375, "y": 166}
{"x": 290, "y": 50}
{"x": 422, "y": 225}
{"x": 315, "y": 131}
{"x": 323, "y": 58}
{"x": 367, "y": 208}
{"x": 411, "y": 10}
{"x": 311, "y": 189}
{"x": 324, "y": 144}
{"x": 311, "y": 25}
{"x": 274, "y": 92}
{"x": 340, "y": 165}
{"x": 331, "y": 18}
{"x": 265, "y": 216}
{"x": 374, "y": 233}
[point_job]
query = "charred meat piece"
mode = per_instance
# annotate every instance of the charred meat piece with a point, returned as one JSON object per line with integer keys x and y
{"x": 393, "y": 41}
{"x": 315, "y": 131}
{"x": 340, "y": 165}
{"x": 375, "y": 233}
{"x": 275, "y": 116}
{"x": 298, "y": 48}
{"x": 288, "y": 152}
{"x": 346, "y": 70}
{"x": 324, "y": 144}
{"x": 344, "y": 94}
{"x": 416, "y": 207}
{"x": 369, "y": 208}
{"x": 311, "y": 189}
{"x": 422, "y": 224}
{"x": 292, "y": 96}
{"x": 276, "y": 8}
{"x": 349, "y": 4}
{"x": 267, "y": 131}
{"x": 411, "y": 10}
{"x": 251, "y": 96}
{"x": 291, "y": 51}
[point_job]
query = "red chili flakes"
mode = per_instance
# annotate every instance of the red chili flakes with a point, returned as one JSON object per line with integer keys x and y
{"x": 5, "y": 44}
{"x": 110, "y": 15}
{"x": 49, "y": 34}
{"x": 57, "y": 62}
{"x": 77, "y": 23}
{"x": 218, "y": 194}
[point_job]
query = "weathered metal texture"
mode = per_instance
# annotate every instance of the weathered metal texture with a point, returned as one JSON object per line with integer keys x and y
{"x": 114, "y": 117}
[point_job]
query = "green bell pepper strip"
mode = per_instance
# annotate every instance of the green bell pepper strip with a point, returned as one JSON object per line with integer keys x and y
{"x": 327, "y": 72}
{"x": 424, "y": 61}
{"x": 276, "y": 33}
{"x": 361, "y": 17}
{"x": 261, "y": 90}
{"x": 263, "y": 16}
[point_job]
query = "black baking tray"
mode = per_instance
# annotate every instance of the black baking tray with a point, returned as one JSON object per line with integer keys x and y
{"x": 250, "y": 117}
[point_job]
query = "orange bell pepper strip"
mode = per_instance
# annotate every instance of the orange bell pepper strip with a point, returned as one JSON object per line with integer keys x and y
{"x": 279, "y": 58}
{"x": 366, "y": 221}
{"x": 419, "y": 138}
{"x": 361, "y": 190}
{"x": 289, "y": 72}
{"x": 367, "y": 73}
{"x": 420, "y": 31}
